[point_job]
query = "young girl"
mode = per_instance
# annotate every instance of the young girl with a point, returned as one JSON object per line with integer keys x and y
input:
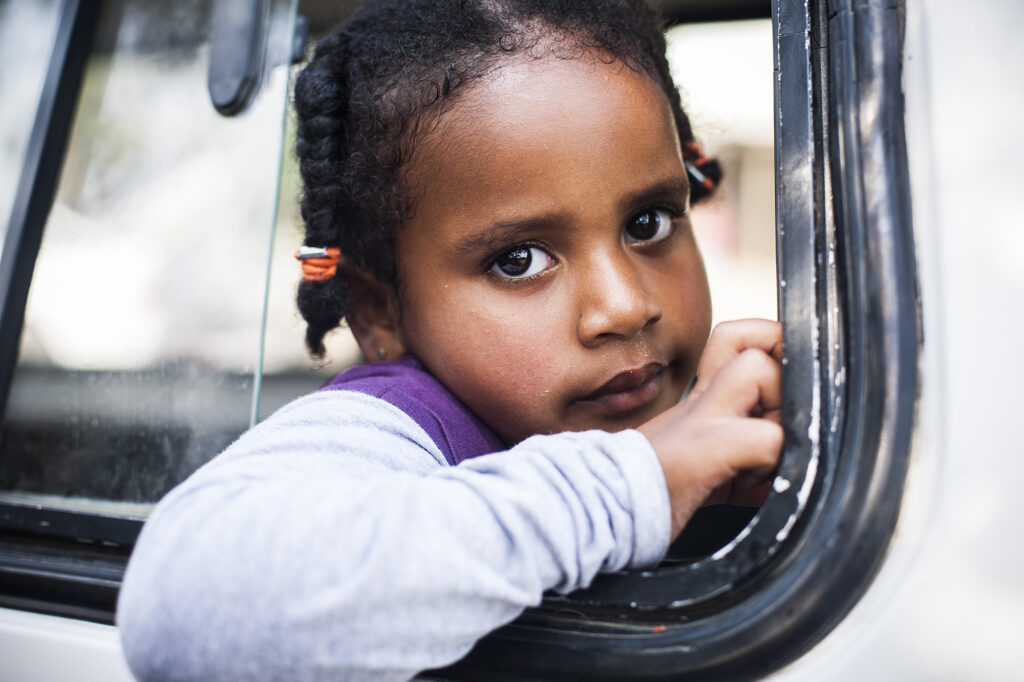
{"x": 496, "y": 201}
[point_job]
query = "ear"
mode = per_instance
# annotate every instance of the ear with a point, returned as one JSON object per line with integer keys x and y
{"x": 373, "y": 318}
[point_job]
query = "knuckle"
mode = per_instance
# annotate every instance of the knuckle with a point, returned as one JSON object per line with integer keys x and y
{"x": 761, "y": 361}
{"x": 755, "y": 358}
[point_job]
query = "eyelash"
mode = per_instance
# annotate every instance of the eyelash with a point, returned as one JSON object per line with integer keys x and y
{"x": 674, "y": 213}
{"x": 497, "y": 254}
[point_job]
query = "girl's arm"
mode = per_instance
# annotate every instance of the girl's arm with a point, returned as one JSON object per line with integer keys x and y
{"x": 331, "y": 543}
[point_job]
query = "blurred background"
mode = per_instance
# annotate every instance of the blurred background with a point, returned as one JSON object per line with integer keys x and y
{"x": 144, "y": 350}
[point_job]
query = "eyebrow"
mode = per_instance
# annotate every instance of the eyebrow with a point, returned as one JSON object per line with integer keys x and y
{"x": 500, "y": 234}
{"x": 673, "y": 188}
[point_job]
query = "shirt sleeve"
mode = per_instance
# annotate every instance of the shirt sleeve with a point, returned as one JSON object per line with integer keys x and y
{"x": 332, "y": 542}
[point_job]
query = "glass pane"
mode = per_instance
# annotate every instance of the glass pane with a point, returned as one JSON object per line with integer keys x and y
{"x": 27, "y": 29}
{"x": 141, "y": 335}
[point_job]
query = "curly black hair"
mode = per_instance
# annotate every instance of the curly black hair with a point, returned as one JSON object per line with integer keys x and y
{"x": 393, "y": 68}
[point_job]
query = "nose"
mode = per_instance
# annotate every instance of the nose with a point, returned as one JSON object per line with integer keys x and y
{"x": 613, "y": 300}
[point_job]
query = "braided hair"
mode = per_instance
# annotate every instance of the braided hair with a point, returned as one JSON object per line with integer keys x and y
{"x": 391, "y": 70}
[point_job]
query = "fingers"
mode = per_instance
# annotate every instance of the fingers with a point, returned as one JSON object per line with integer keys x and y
{"x": 761, "y": 450}
{"x": 717, "y": 460}
{"x": 751, "y": 384}
{"x": 729, "y": 339}
{"x": 758, "y": 444}
{"x": 723, "y": 442}
{"x": 752, "y": 464}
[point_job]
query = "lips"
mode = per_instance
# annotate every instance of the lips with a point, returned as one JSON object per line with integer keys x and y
{"x": 628, "y": 391}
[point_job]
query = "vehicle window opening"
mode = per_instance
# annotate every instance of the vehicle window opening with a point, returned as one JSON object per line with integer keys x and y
{"x": 847, "y": 290}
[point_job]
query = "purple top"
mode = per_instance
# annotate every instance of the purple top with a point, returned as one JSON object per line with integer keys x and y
{"x": 406, "y": 384}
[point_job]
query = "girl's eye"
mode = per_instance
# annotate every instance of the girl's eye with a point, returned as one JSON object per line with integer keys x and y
{"x": 652, "y": 225}
{"x": 521, "y": 261}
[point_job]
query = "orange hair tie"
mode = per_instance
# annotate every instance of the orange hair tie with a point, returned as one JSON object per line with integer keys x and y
{"x": 692, "y": 152}
{"x": 318, "y": 263}
{"x": 693, "y": 157}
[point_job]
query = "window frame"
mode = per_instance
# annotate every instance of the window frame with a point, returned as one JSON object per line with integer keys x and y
{"x": 851, "y": 313}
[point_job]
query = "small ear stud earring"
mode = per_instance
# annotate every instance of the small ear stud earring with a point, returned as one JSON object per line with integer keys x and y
{"x": 382, "y": 354}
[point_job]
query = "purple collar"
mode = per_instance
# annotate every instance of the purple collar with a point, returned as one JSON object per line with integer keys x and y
{"x": 406, "y": 384}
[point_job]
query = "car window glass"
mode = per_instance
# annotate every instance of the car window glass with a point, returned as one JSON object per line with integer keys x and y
{"x": 141, "y": 337}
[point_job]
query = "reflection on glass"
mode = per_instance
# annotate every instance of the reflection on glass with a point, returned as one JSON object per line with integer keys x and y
{"x": 27, "y": 29}
{"x": 141, "y": 335}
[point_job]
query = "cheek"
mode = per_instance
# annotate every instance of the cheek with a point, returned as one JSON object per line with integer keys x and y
{"x": 684, "y": 271}
{"x": 687, "y": 310}
{"x": 496, "y": 353}
{"x": 693, "y": 306}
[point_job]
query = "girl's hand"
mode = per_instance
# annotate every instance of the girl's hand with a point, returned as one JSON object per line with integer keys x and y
{"x": 722, "y": 443}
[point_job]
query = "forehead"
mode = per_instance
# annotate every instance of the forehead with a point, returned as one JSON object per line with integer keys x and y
{"x": 532, "y": 119}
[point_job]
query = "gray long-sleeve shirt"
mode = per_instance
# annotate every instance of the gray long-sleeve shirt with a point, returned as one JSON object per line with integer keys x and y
{"x": 333, "y": 542}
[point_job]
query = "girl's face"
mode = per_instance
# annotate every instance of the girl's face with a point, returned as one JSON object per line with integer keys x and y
{"x": 549, "y": 275}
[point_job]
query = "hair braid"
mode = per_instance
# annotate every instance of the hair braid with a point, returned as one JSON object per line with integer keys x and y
{"x": 320, "y": 99}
